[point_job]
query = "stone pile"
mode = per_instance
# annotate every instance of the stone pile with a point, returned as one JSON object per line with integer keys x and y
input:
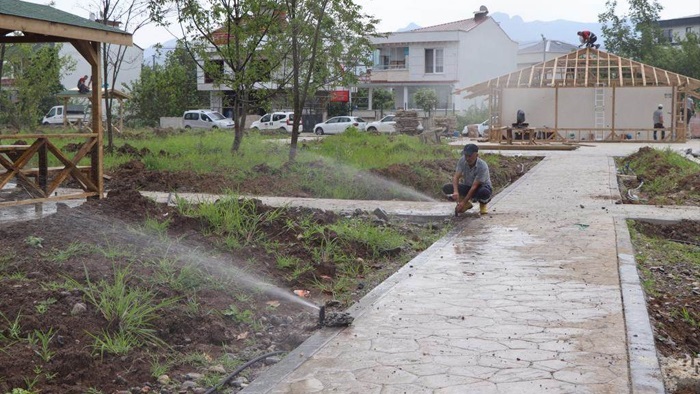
{"x": 445, "y": 123}
{"x": 407, "y": 122}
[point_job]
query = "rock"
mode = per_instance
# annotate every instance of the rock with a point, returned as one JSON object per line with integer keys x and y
{"x": 217, "y": 369}
{"x": 381, "y": 214}
{"x": 240, "y": 382}
{"x": 163, "y": 380}
{"x": 188, "y": 385}
{"x": 272, "y": 360}
{"x": 193, "y": 376}
{"x": 78, "y": 309}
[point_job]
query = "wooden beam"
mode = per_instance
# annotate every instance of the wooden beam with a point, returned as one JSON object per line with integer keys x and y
{"x": 33, "y": 38}
{"x": 37, "y": 26}
{"x": 85, "y": 49}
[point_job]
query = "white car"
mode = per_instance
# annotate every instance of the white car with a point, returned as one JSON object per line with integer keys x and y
{"x": 339, "y": 124}
{"x": 275, "y": 121}
{"x": 206, "y": 119}
{"x": 386, "y": 124}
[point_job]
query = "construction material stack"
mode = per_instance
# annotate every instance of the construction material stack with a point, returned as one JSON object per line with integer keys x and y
{"x": 407, "y": 122}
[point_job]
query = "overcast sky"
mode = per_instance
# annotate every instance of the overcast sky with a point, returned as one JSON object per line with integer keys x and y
{"x": 395, "y": 14}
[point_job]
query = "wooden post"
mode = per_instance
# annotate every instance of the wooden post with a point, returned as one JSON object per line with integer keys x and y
{"x": 96, "y": 155}
{"x": 65, "y": 111}
{"x": 613, "y": 110}
{"x": 556, "y": 108}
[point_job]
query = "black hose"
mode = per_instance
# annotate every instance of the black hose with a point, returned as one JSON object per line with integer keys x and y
{"x": 240, "y": 369}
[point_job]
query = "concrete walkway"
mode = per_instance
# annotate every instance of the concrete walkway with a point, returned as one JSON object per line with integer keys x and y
{"x": 540, "y": 295}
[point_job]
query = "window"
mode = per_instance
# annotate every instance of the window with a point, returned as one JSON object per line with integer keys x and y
{"x": 392, "y": 58}
{"x": 434, "y": 61}
{"x": 276, "y": 117}
{"x": 205, "y": 118}
{"x": 265, "y": 118}
{"x": 688, "y": 30}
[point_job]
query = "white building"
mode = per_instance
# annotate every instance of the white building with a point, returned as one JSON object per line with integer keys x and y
{"x": 441, "y": 57}
{"x": 129, "y": 71}
{"x": 675, "y": 29}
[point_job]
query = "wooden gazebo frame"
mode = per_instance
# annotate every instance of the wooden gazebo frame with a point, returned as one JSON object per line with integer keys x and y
{"x": 585, "y": 68}
{"x": 22, "y": 22}
{"x": 110, "y": 93}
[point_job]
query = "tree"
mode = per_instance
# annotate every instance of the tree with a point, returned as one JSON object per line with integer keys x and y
{"x": 36, "y": 71}
{"x": 683, "y": 58}
{"x": 635, "y": 35}
{"x": 382, "y": 99}
{"x": 235, "y": 43}
{"x": 328, "y": 40}
{"x": 426, "y": 99}
{"x": 132, "y": 15}
{"x": 166, "y": 90}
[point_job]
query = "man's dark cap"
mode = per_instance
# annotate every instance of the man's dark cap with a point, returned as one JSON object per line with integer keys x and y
{"x": 469, "y": 149}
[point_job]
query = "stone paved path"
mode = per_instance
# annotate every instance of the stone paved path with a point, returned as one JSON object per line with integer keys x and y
{"x": 527, "y": 299}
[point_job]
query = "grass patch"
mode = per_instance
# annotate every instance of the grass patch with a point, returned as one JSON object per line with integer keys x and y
{"x": 131, "y": 311}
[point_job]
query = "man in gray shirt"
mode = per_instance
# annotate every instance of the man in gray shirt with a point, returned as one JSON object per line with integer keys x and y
{"x": 471, "y": 182}
{"x": 659, "y": 122}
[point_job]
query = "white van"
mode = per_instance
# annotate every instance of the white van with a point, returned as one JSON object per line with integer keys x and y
{"x": 206, "y": 119}
{"x": 74, "y": 114}
{"x": 275, "y": 121}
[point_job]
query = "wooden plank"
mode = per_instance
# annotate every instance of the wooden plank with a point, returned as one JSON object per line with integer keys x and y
{"x": 585, "y": 75}
{"x": 619, "y": 70}
{"x": 60, "y": 31}
{"x": 63, "y": 197}
{"x": 70, "y": 167}
{"x": 13, "y": 148}
{"x": 35, "y": 136}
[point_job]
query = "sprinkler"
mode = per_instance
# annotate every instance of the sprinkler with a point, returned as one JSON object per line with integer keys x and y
{"x": 333, "y": 319}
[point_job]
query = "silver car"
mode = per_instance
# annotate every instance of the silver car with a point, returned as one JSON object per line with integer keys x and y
{"x": 206, "y": 119}
{"x": 339, "y": 124}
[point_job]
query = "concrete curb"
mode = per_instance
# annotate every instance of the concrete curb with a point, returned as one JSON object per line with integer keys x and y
{"x": 645, "y": 372}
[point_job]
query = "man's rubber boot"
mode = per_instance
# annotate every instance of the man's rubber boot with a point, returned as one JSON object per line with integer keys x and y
{"x": 483, "y": 208}
{"x": 467, "y": 206}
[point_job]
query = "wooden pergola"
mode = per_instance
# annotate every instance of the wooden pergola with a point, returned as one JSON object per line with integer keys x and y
{"x": 593, "y": 69}
{"x": 22, "y": 22}
{"x": 110, "y": 93}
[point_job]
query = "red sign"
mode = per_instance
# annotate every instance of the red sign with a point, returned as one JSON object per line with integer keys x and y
{"x": 340, "y": 96}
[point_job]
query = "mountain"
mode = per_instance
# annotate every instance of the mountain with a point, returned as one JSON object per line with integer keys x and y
{"x": 151, "y": 56}
{"x": 527, "y": 32}
{"x": 561, "y": 30}
{"x": 410, "y": 26}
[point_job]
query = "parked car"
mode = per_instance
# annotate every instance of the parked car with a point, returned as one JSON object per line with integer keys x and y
{"x": 386, "y": 124}
{"x": 275, "y": 121}
{"x": 206, "y": 119}
{"x": 339, "y": 124}
{"x": 74, "y": 114}
{"x": 480, "y": 128}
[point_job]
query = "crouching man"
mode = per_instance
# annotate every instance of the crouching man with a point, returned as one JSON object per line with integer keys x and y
{"x": 471, "y": 182}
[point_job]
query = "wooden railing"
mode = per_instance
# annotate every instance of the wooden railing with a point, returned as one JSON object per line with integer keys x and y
{"x": 28, "y": 164}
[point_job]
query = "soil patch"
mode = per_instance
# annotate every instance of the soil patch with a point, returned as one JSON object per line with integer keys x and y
{"x": 668, "y": 257}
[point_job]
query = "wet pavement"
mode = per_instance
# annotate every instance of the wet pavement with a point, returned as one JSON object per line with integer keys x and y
{"x": 539, "y": 295}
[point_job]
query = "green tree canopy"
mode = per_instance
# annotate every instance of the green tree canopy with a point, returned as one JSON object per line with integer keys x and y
{"x": 426, "y": 99}
{"x": 635, "y": 34}
{"x": 166, "y": 90}
{"x": 36, "y": 70}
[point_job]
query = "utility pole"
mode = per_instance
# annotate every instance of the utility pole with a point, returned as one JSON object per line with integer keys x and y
{"x": 544, "y": 48}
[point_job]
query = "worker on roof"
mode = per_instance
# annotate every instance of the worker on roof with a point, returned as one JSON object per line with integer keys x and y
{"x": 588, "y": 39}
